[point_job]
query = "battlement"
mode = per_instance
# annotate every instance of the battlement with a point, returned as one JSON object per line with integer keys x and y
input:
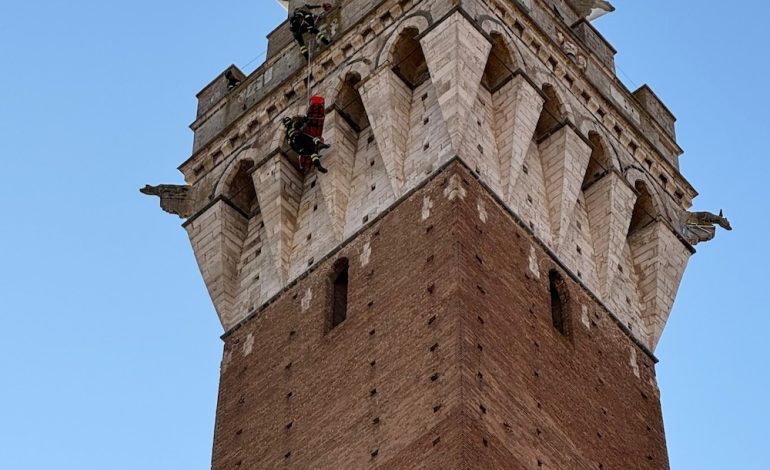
{"x": 553, "y": 21}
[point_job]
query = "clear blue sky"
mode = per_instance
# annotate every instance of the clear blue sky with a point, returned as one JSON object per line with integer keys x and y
{"x": 109, "y": 345}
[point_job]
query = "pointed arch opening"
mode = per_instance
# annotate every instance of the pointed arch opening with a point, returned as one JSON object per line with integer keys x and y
{"x": 240, "y": 190}
{"x": 408, "y": 59}
{"x": 552, "y": 116}
{"x": 645, "y": 211}
{"x": 500, "y": 65}
{"x": 599, "y": 164}
{"x": 349, "y": 103}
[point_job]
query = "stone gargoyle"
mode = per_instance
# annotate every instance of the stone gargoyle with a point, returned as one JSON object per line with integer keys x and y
{"x": 590, "y": 9}
{"x": 698, "y": 227}
{"x": 174, "y": 199}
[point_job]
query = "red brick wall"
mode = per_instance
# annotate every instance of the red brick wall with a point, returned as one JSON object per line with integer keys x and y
{"x": 443, "y": 320}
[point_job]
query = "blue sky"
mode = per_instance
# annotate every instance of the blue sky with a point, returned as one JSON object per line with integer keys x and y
{"x": 109, "y": 345}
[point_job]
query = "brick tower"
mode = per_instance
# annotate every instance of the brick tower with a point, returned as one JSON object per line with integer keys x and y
{"x": 481, "y": 278}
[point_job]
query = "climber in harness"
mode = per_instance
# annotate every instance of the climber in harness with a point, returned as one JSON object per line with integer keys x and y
{"x": 303, "y": 21}
{"x": 304, "y": 135}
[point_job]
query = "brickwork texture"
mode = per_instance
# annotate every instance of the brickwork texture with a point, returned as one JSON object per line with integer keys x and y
{"x": 448, "y": 357}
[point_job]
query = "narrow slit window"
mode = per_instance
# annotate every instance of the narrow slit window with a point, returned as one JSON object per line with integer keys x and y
{"x": 559, "y": 302}
{"x": 340, "y": 293}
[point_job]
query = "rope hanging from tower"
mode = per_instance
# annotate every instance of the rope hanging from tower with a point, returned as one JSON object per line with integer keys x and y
{"x": 305, "y": 133}
{"x": 416, "y": 50}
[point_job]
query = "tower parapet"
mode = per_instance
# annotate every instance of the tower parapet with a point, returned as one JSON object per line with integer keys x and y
{"x": 523, "y": 92}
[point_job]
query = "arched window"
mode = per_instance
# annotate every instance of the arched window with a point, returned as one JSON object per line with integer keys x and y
{"x": 499, "y": 68}
{"x": 599, "y": 164}
{"x": 339, "y": 292}
{"x": 241, "y": 190}
{"x": 559, "y": 302}
{"x": 644, "y": 210}
{"x": 551, "y": 116}
{"x": 408, "y": 59}
{"x": 350, "y": 105}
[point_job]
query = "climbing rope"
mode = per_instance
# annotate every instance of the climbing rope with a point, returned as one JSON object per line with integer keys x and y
{"x": 309, "y": 69}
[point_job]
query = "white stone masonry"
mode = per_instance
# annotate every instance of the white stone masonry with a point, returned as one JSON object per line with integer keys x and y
{"x": 406, "y": 135}
{"x": 217, "y": 238}
{"x": 610, "y": 202}
{"x": 565, "y": 157}
{"x": 387, "y": 100}
{"x": 457, "y": 56}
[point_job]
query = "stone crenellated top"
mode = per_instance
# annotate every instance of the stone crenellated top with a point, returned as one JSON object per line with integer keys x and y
{"x": 656, "y": 110}
{"x": 362, "y": 20}
{"x": 409, "y": 87}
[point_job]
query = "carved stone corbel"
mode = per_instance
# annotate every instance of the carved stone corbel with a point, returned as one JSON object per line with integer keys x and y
{"x": 572, "y": 51}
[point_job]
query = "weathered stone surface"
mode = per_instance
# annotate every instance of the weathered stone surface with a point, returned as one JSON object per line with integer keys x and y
{"x": 339, "y": 160}
{"x": 279, "y": 188}
{"x": 397, "y": 136}
{"x": 388, "y": 100}
{"x": 456, "y": 54}
{"x": 610, "y": 202}
{"x": 518, "y": 105}
{"x": 217, "y": 237}
{"x": 565, "y": 159}
{"x": 660, "y": 259}
{"x": 174, "y": 199}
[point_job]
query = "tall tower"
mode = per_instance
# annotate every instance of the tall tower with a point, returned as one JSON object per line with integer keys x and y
{"x": 481, "y": 278}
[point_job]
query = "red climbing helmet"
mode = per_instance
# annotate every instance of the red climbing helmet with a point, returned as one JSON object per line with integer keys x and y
{"x": 317, "y": 100}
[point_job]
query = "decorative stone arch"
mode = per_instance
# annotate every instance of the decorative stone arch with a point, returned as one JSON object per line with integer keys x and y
{"x": 588, "y": 129}
{"x": 501, "y": 63}
{"x": 648, "y": 202}
{"x": 421, "y": 21}
{"x": 491, "y": 25}
{"x": 332, "y": 83}
{"x": 599, "y": 163}
{"x": 625, "y": 158}
{"x": 349, "y": 103}
{"x": 238, "y": 185}
{"x": 620, "y": 158}
{"x": 664, "y": 203}
{"x": 360, "y": 67}
{"x": 543, "y": 78}
{"x": 225, "y": 179}
{"x": 645, "y": 209}
{"x": 555, "y": 111}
